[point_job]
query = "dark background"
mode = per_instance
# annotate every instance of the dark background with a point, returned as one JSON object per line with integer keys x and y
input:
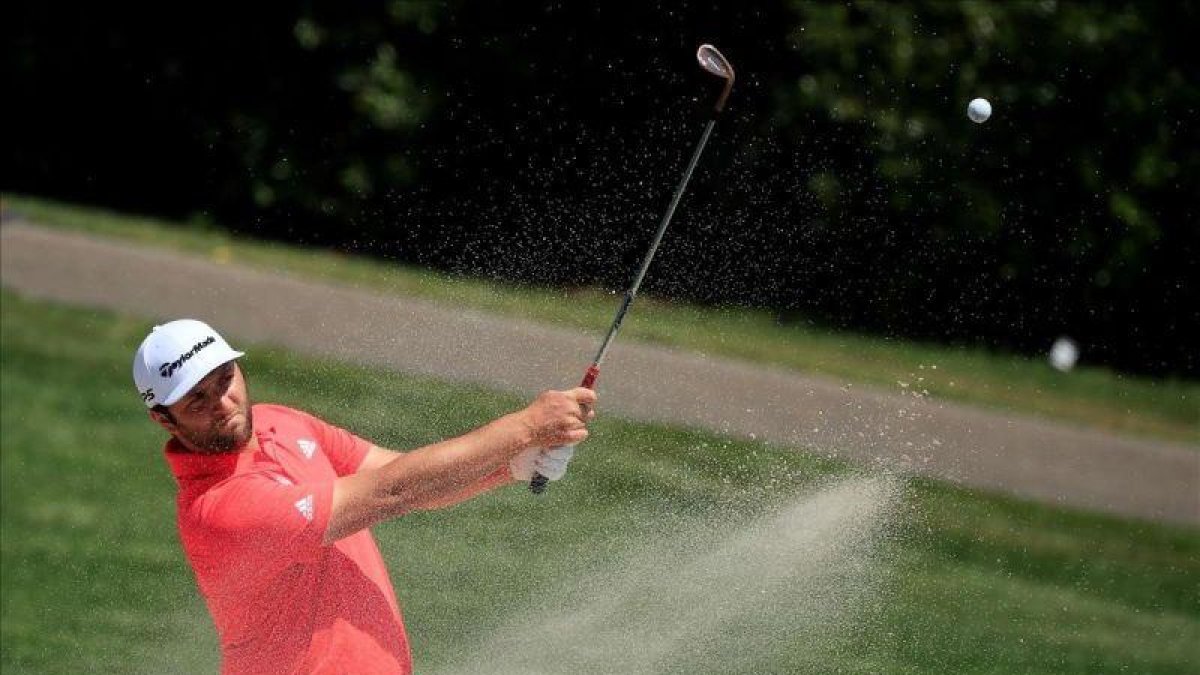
{"x": 540, "y": 143}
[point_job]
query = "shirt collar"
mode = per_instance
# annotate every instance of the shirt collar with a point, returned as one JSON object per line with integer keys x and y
{"x": 193, "y": 465}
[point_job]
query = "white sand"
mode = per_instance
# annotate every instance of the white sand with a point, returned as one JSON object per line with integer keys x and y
{"x": 799, "y": 582}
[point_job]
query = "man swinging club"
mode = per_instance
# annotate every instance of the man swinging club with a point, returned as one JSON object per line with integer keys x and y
{"x": 274, "y": 505}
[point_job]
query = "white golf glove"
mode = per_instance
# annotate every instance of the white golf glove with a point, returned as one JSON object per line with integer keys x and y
{"x": 553, "y": 462}
{"x": 550, "y": 463}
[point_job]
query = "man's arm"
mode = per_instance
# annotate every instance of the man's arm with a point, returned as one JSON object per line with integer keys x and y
{"x": 378, "y": 457}
{"x": 435, "y": 474}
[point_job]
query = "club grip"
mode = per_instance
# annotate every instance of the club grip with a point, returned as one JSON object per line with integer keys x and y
{"x": 589, "y": 378}
{"x": 539, "y": 482}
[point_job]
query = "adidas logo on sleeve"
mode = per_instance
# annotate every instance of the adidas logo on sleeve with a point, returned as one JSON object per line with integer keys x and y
{"x": 305, "y": 507}
{"x": 307, "y": 446}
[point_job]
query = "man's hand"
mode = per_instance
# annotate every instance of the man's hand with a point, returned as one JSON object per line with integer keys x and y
{"x": 558, "y": 418}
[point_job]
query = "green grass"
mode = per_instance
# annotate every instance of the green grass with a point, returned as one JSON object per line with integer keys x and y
{"x": 92, "y": 578}
{"x": 1089, "y": 396}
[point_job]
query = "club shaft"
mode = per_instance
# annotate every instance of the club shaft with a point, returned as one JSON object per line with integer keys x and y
{"x": 538, "y": 484}
{"x": 658, "y": 237}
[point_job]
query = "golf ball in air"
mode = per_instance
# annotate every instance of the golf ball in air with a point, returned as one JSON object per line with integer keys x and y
{"x": 979, "y": 110}
{"x": 1064, "y": 353}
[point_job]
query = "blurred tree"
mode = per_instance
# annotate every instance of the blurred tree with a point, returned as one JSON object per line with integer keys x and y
{"x": 539, "y": 142}
{"x": 283, "y": 122}
{"x": 1067, "y": 212}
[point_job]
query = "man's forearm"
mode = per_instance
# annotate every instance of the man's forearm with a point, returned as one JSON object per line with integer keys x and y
{"x": 450, "y": 471}
{"x": 447, "y": 472}
{"x": 378, "y": 457}
{"x": 501, "y": 476}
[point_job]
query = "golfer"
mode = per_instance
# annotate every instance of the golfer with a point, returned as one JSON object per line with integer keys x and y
{"x": 274, "y": 504}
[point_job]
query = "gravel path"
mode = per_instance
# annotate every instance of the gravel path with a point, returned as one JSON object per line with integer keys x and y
{"x": 1046, "y": 461}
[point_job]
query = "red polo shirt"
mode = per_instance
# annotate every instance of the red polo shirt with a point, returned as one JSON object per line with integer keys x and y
{"x": 251, "y": 524}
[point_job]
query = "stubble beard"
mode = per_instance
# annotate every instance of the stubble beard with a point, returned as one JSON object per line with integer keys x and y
{"x": 217, "y": 439}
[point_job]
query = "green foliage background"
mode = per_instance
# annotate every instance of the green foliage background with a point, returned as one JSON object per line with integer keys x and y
{"x": 539, "y": 142}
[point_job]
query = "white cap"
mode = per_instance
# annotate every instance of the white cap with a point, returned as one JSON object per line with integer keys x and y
{"x": 174, "y": 357}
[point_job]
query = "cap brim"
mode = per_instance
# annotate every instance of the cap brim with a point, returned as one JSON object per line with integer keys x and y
{"x": 188, "y": 383}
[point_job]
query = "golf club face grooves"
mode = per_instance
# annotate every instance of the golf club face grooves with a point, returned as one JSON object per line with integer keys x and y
{"x": 711, "y": 61}
{"x": 714, "y": 62}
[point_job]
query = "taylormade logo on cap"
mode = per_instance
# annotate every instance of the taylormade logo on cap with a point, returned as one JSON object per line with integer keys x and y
{"x": 168, "y": 369}
{"x": 174, "y": 357}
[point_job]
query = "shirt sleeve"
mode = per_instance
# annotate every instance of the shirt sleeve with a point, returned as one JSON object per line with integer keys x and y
{"x": 261, "y": 522}
{"x": 344, "y": 450}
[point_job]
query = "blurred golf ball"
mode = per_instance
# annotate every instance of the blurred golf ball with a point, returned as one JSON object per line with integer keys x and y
{"x": 979, "y": 110}
{"x": 1064, "y": 353}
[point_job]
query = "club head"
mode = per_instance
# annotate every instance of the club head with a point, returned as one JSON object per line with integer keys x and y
{"x": 714, "y": 62}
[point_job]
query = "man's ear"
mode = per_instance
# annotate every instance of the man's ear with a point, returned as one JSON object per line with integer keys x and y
{"x": 164, "y": 421}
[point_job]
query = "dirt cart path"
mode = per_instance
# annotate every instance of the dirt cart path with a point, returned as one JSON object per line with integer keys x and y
{"x": 1045, "y": 461}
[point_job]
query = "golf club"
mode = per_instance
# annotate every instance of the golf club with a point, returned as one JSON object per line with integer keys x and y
{"x": 712, "y": 61}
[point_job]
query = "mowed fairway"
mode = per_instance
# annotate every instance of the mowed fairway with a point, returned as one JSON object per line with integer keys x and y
{"x": 937, "y": 579}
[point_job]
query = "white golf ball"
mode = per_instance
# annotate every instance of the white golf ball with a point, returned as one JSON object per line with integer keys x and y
{"x": 979, "y": 110}
{"x": 1064, "y": 353}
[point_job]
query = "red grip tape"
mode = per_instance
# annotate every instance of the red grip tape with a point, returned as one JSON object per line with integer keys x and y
{"x": 589, "y": 378}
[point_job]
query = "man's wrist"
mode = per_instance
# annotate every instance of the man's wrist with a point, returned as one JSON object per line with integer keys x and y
{"x": 518, "y": 430}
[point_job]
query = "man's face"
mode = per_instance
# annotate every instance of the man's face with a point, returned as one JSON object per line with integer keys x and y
{"x": 215, "y": 415}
